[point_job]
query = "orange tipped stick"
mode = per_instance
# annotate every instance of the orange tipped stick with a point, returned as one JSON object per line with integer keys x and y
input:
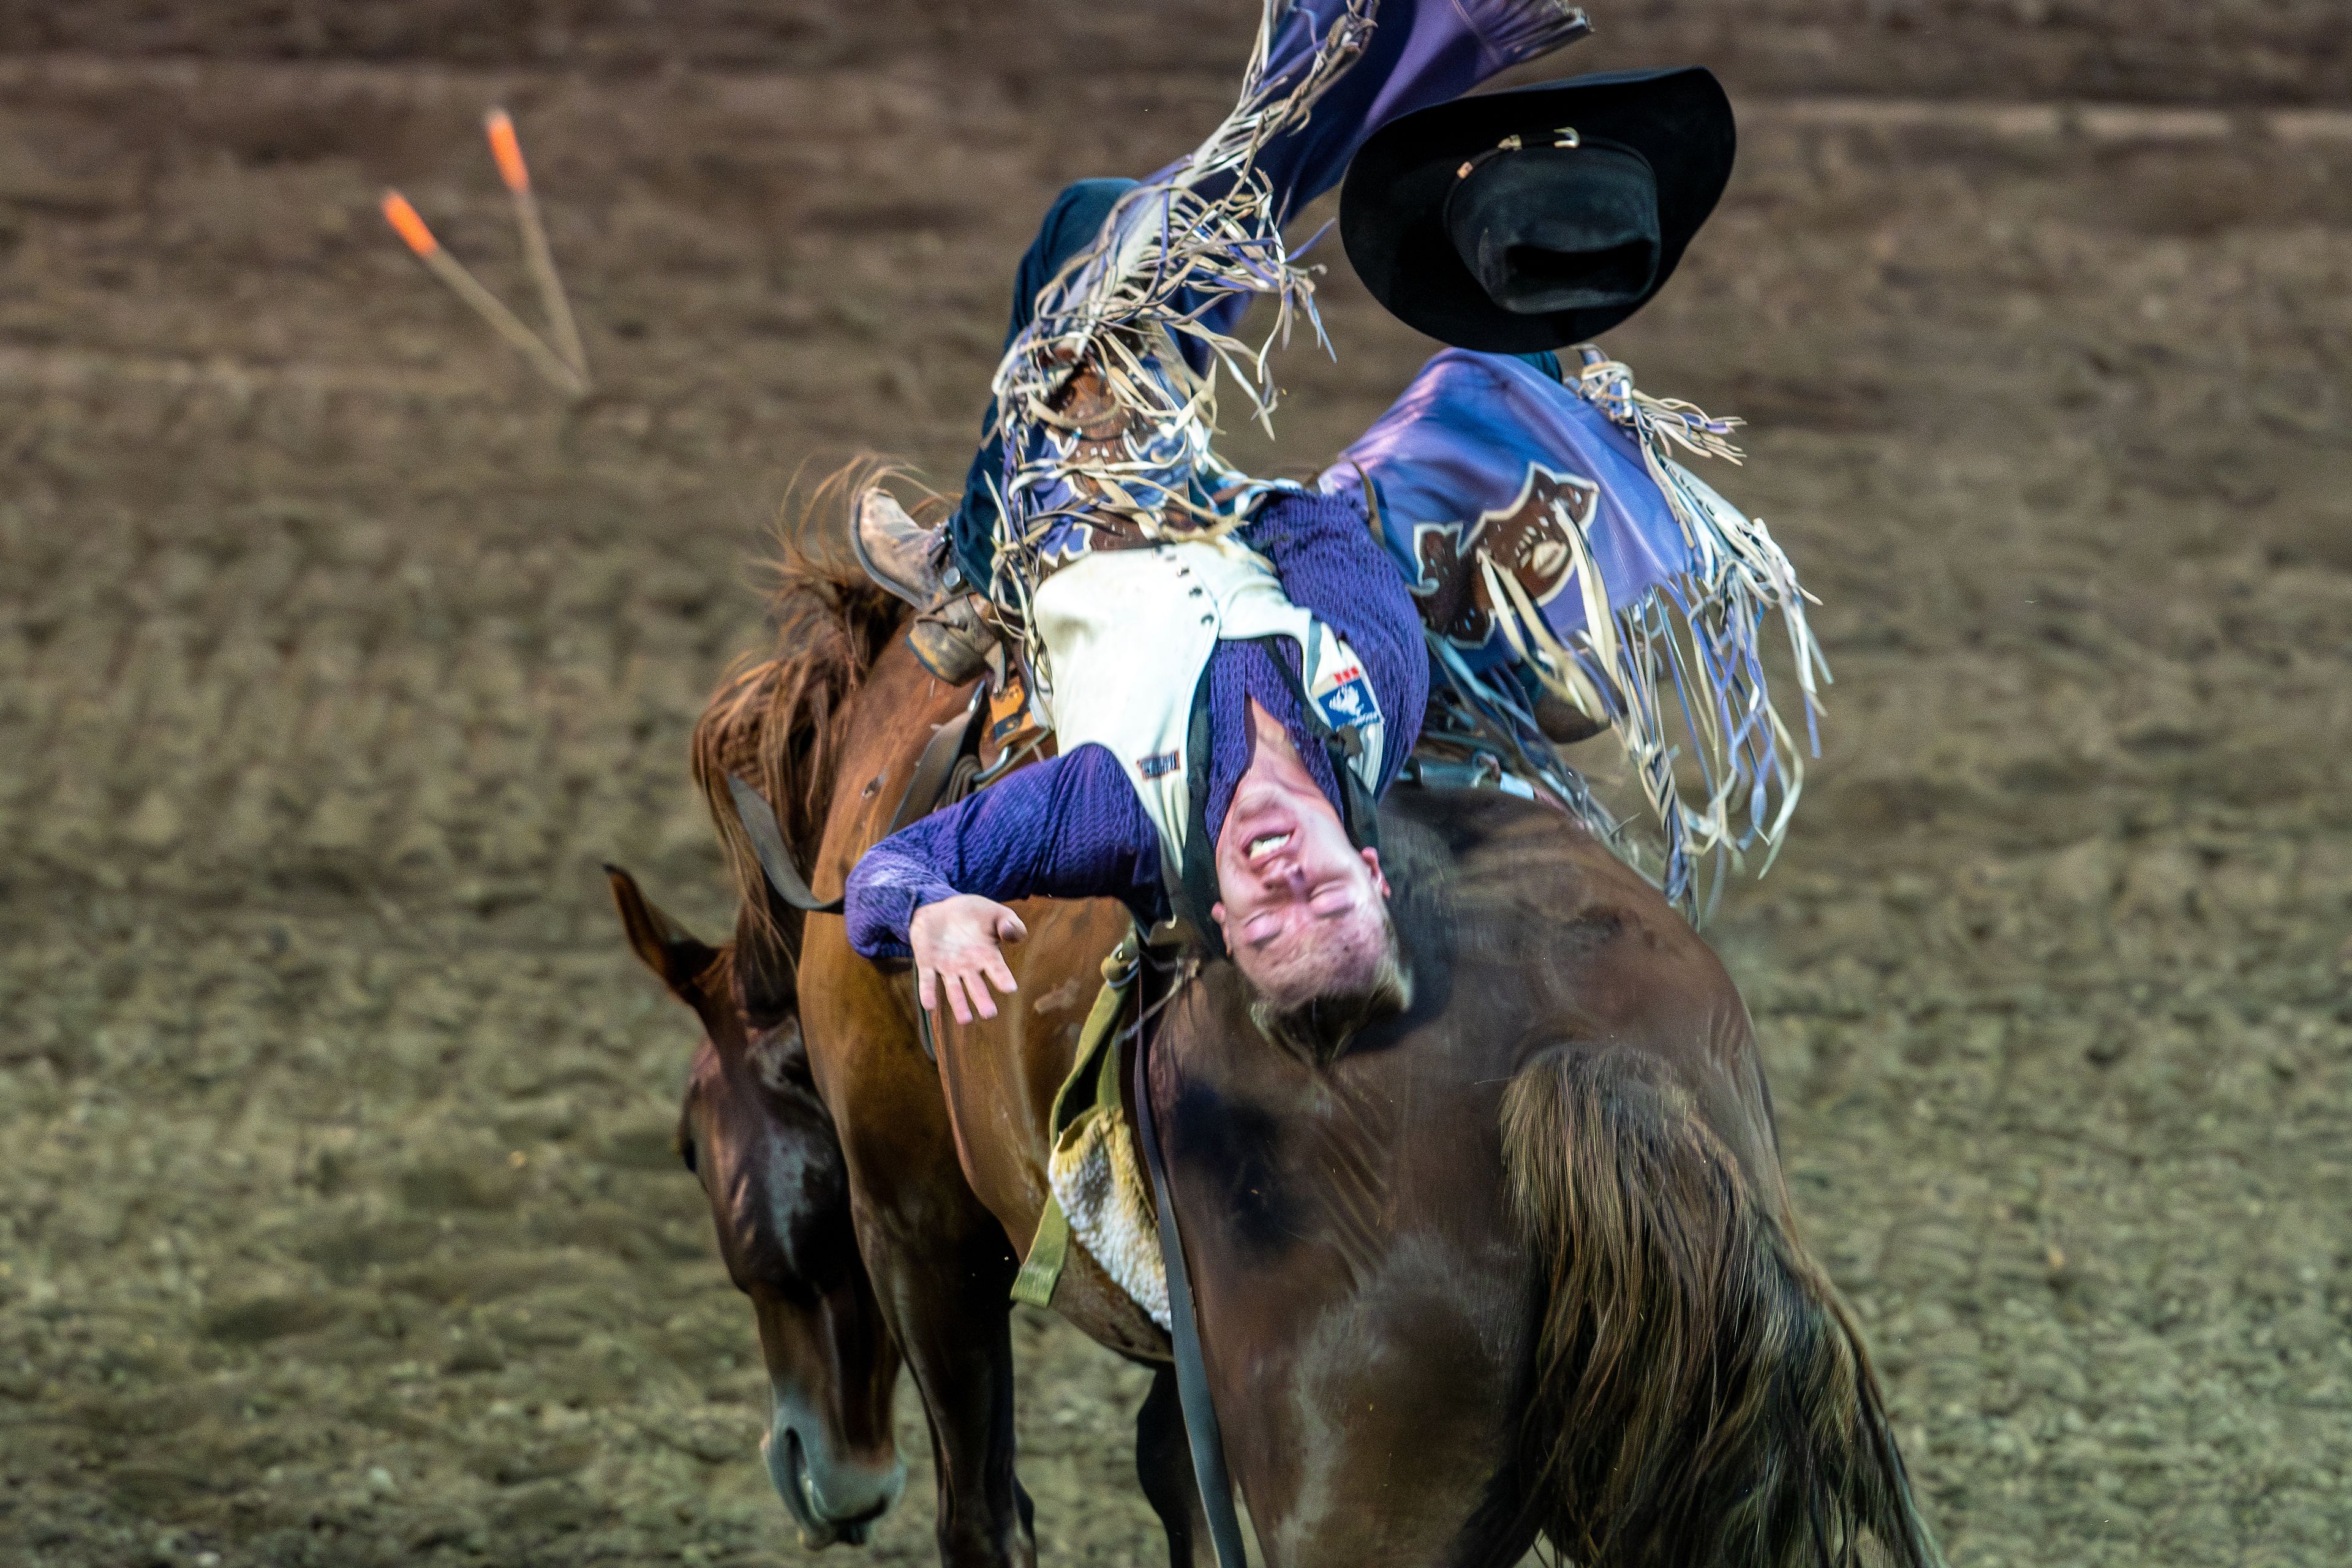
{"x": 507, "y": 148}
{"x": 407, "y": 225}
{"x": 462, "y": 283}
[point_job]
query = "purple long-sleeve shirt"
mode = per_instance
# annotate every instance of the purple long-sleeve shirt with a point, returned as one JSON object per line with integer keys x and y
{"x": 1072, "y": 827}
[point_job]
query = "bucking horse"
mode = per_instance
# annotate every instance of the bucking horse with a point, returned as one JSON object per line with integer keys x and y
{"x": 1516, "y": 1262}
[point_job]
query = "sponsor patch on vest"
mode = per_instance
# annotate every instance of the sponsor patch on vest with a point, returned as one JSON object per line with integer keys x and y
{"x": 1157, "y": 765}
{"x": 1346, "y": 698}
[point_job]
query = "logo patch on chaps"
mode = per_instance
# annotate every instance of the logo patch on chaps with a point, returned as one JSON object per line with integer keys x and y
{"x": 1528, "y": 539}
{"x": 1159, "y": 764}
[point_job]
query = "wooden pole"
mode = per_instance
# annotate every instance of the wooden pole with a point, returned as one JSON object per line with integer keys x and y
{"x": 411, "y": 228}
{"x": 507, "y": 148}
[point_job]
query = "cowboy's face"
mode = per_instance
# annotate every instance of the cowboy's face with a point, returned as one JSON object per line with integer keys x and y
{"x": 1301, "y": 908}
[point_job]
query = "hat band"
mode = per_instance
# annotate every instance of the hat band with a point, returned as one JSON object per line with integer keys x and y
{"x": 1564, "y": 137}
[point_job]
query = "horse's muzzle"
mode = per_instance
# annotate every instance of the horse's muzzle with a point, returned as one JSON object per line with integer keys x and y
{"x": 833, "y": 1498}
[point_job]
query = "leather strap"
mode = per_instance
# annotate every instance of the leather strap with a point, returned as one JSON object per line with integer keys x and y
{"x": 1508, "y": 733}
{"x": 1049, "y": 1254}
{"x": 1200, "y": 1431}
{"x": 1483, "y": 770}
{"x": 759, "y": 819}
{"x": 1195, "y": 893}
{"x": 1092, "y": 1087}
{"x": 936, "y": 764}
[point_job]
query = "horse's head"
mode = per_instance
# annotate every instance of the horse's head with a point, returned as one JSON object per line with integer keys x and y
{"x": 755, "y": 1135}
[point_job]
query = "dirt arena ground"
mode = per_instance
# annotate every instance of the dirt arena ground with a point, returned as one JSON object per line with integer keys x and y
{"x": 338, "y": 1219}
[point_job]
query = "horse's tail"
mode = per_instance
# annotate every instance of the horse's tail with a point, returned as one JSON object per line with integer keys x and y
{"x": 1701, "y": 1394}
{"x": 778, "y": 720}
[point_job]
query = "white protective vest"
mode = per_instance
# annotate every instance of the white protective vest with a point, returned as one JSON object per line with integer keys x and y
{"x": 1128, "y": 636}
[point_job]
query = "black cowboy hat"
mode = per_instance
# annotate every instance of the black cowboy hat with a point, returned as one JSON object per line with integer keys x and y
{"x": 1535, "y": 218}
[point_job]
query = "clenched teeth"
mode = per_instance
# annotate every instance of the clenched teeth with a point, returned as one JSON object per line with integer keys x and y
{"x": 1265, "y": 844}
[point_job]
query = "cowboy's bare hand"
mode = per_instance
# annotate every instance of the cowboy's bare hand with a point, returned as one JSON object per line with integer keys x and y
{"x": 958, "y": 949}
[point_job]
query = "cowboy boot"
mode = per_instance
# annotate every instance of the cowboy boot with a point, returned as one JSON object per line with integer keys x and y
{"x": 948, "y": 636}
{"x": 951, "y": 640}
{"x": 900, "y": 553}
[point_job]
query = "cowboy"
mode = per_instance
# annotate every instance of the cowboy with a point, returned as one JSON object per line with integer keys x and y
{"x": 1230, "y": 701}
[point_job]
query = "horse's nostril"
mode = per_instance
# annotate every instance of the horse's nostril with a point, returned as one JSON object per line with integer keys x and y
{"x": 808, "y": 1483}
{"x": 791, "y": 1479}
{"x": 833, "y": 1500}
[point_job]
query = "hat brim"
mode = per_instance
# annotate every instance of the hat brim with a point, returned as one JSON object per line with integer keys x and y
{"x": 1392, "y": 208}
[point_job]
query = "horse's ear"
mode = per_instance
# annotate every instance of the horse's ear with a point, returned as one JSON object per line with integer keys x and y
{"x": 660, "y": 942}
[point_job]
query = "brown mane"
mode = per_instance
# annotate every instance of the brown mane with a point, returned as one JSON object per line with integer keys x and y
{"x": 776, "y": 719}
